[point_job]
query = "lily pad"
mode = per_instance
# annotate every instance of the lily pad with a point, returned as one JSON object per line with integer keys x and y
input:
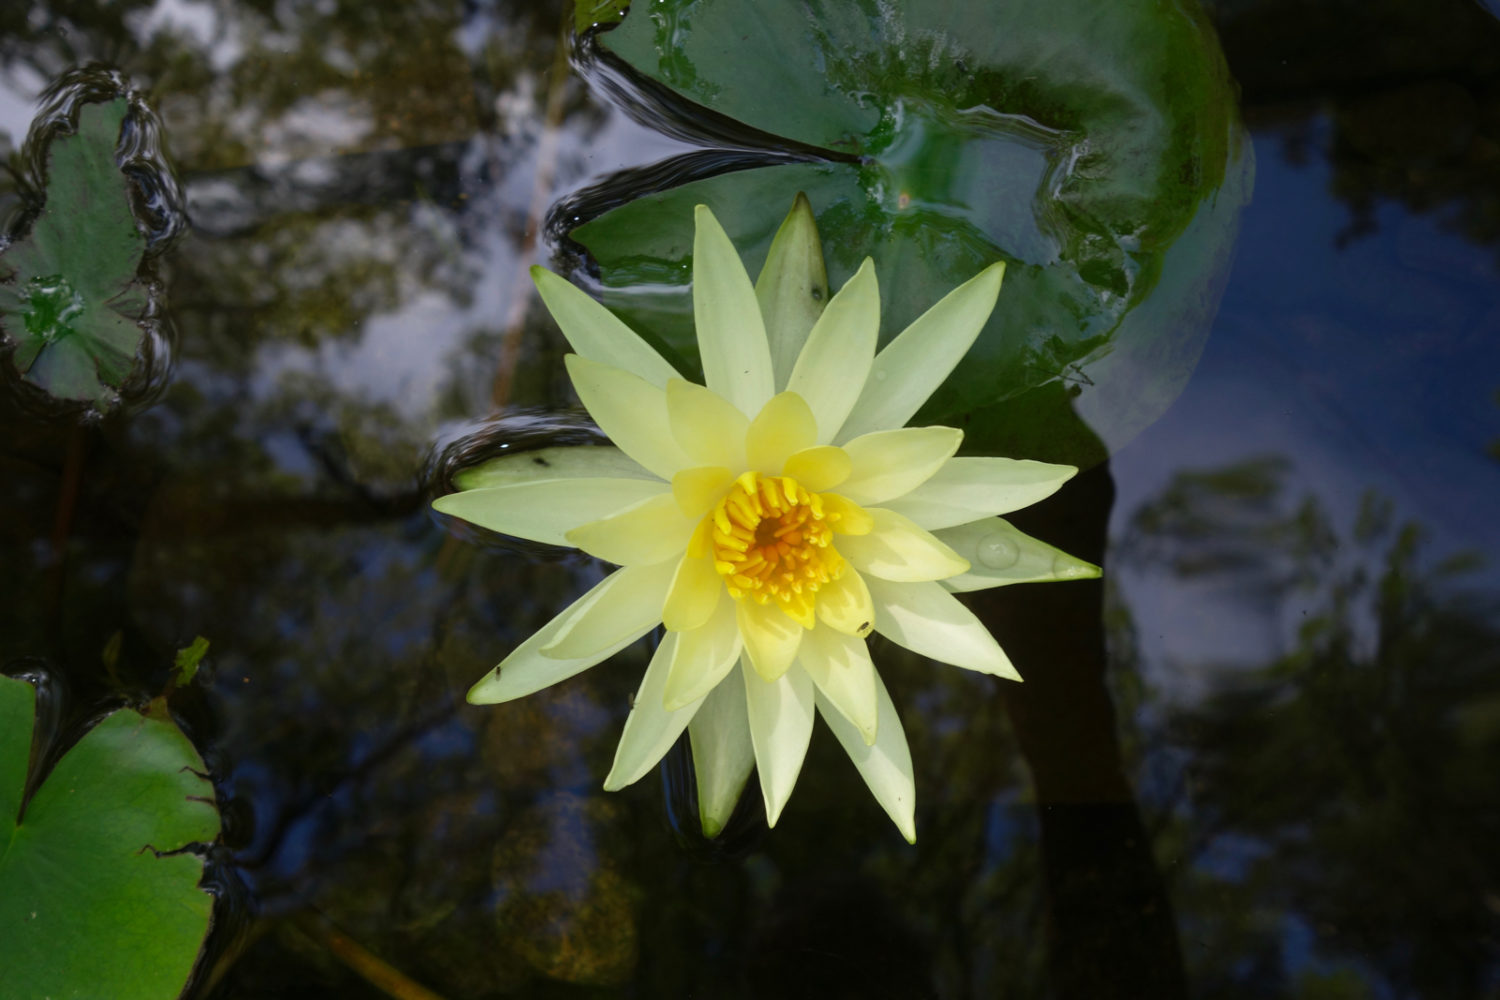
{"x": 1080, "y": 142}
{"x": 69, "y": 299}
{"x": 98, "y": 894}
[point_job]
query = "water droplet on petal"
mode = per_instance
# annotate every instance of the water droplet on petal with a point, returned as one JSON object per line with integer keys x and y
{"x": 998, "y": 551}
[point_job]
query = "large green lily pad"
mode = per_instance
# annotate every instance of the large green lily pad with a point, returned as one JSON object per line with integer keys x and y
{"x": 69, "y": 299}
{"x": 98, "y": 897}
{"x": 1094, "y": 147}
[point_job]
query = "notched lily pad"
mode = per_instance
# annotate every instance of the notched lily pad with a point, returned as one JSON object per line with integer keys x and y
{"x": 99, "y": 891}
{"x": 70, "y": 301}
{"x": 1096, "y": 148}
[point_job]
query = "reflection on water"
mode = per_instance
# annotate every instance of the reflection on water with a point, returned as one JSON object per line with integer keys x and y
{"x": 1301, "y": 699}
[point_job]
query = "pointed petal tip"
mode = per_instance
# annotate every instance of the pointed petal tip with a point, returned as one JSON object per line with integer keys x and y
{"x": 481, "y": 694}
{"x": 711, "y": 827}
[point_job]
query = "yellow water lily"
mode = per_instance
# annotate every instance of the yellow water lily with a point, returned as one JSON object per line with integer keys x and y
{"x": 770, "y": 519}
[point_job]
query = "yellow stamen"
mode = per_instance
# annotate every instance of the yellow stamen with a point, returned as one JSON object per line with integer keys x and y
{"x": 771, "y": 540}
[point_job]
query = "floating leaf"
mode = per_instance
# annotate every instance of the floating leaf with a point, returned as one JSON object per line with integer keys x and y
{"x": 69, "y": 299}
{"x": 1080, "y": 142}
{"x": 98, "y": 894}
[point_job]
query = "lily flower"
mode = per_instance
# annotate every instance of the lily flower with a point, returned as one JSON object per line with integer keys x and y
{"x": 770, "y": 519}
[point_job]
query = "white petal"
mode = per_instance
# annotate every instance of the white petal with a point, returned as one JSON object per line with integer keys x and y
{"x": 792, "y": 289}
{"x": 722, "y": 753}
{"x": 650, "y": 729}
{"x": 912, "y": 366}
{"x": 927, "y": 619}
{"x": 704, "y": 656}
{"x": 966, "y": 489}
{"x": 546, "y": 510}
{"x": 840, "y": 666}
{"x": 889, "y": 464}
{"x": 785, "y": 426}
{"x": 567, "y": 462}
{"x": 999, "y": 553}
{"x": 896, "y": 549}
{"x": 598, "y": 334}
{"x": 630, "y": 411}
{"x": 646, "y": 532}
{"x": 833, "y": 366}
{"x": 527, "y": 669}
{"x": 629, "y": 605}
{"x": 731, "y": 334}
{"x": 885, "y": 765}
{"x": 781, "y": 717}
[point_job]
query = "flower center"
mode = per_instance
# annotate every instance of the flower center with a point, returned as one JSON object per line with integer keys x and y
{"x": 771, "y": 543}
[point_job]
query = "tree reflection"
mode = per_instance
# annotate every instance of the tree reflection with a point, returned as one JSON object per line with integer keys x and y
{"x": 1339, "y": 806}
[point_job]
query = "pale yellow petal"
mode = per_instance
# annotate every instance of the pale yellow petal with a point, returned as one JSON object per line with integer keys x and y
{"x": 889, "y": 464}
{"x": 784, "y": 426}
{"x": 840, "y": 666}
{"x": 629, "y": 607}
{"x": 927, "y": 619}
{"x": 698, "y": 489}
{"x": 731, "y": 333}
{"x": 1001, "y": 554}
{"x": 834, "y": 364}
{"x": 708, "y": 429}
{"x": 844, "y": 604}
{"x": 819, "y": 468}
{"x": 723, "y": 754}
{"x": 781, "y": 717}
{"x": 966, "y": 489}
{"x": 703, "y": 657}
{"x": 527, "y": 669}
{"x": 915, "y": 363}
{"x": 647, "y": 532}
{"x": 631, "y": 412}
{"x": 546, "y": 510}
{"x": 598, "y": 334}
{"x": 771, "y": 637}
{"x": 650, "y": 729}
{"x": 563, "y": 462}
{"x": 693, "y": 595}
{"x": 885, "y": 765}
{"x": 896, "y": 549}
{"x": 792, "y": 288}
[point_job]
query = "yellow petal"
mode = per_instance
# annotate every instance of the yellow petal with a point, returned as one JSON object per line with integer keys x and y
{"x": 631, "y": 411}
{"x": 703, "y": 657}
{"x": 896, "y": 549}
{"x": 844, "y": 604}
{"x": 818, "y": 468}
{"x": 648, "y": 532}
{"x": 845, "y": 516}
{"x": 699, "y": 489}
{"x": 693, "y": 594}
{"x": 706, "y": 426}
{"x": 784, "y": 426}
{"x": 771, "y": 638}
{"x": 889, "y": 464}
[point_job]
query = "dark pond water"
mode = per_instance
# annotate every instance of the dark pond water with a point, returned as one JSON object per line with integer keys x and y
{"x": 1258, "y": 759}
